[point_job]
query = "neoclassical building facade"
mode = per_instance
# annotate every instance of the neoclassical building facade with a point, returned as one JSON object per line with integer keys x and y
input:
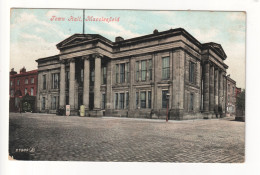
{"x": 137, "y": 77}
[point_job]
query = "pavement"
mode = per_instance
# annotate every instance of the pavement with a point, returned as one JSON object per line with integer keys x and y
{"x": 35, "y": 136}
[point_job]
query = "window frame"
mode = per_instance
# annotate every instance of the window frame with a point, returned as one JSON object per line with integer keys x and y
{"x": 166, "y": 68}
{"x": 143, "y": 101}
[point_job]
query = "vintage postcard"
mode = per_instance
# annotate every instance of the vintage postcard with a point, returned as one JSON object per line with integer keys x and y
{"x": 127, "y": 85}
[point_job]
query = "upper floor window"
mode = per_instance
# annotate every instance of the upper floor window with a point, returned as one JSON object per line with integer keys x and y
{"x": 18, "y": 82}
{"x": 32, "y": 80}
{"x": 191, "y": 72}
{"x": 104, "y": 75}
{"x": 26, "y": 81}
{"x": 44, "y": 82}
{"x": 137, "y": 70}
{"x": 55, "y": 81}
{"x": 122, "y": 73}
{"x": 127, "y": 72}
{"x": 11, "y": 83}
{"x": 25, "y": 91}
{"x": 150, "y": 69}
{"x": 81, "y": 75}
{"x": 92, "y": 77}
{"x": 143, "y": 70}
{"x": 117, "y": 73}
{"x": 229, "y": 90}
{"x": 165, "y": 68}
{"x": 233, "y": 90}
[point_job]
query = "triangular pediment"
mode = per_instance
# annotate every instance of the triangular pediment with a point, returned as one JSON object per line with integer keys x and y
{"x": 218, "y": 48}
{"x": 75, "y": 39}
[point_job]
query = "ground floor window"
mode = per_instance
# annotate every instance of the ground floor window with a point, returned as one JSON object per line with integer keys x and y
{"x": 103, "y": 101}
{"x": 43, "y": 103}
{"x": 122, "y": 100}
{"x": 164, "y": 98}
{"x": 127, "y": 100}
{"x": 191, "y": 102}
{"x": 54, "y": 102}
{"x": 143, "y": 99}
{"x": 137, "y": 99}
{"x": 116, "y": 100}
{"x": 149, "y": 99}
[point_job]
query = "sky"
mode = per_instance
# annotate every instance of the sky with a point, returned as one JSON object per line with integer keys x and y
{"x": 34, "y": 35}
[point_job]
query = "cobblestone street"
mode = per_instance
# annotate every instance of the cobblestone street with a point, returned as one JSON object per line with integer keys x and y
{"x": 51, "y": 137}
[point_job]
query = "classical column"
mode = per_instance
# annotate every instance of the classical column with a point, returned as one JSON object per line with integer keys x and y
{"x": 62, "y": 84}
{"x": 211, "y": 89}
{"x": 109, "y": 95}
{"x": 206, "y": 87}
{"x": 72, "y": 85}
{"x": 220, "y": 90}
{"x": 97, "y": 83}
{"x": 86, "y": 82}
{"x": 216, "y": 86}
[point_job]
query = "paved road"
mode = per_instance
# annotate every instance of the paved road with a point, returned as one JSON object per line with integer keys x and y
{"x": 51, "y": 137}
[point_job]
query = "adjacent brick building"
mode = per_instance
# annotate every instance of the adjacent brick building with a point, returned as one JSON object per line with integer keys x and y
{"x": 22, "y": 84}
{"x": 231, "y": 96}
{"x": 136, "y": 77}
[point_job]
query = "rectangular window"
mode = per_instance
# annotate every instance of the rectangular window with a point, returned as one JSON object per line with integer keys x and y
{"x": 44, "y": 82}
{"x": 191, "y": 72}
{"x": 228, "y": 87}
{"x": 31, "y": 91}
{"x": 26, "y": 81}
{"x": 55, "y": 81}
{"x": 150, "y": 69}
{"x": 67, "y": 100}
{"x": 92, "y": 77}
{"x": 233, "y": 90}
{"x": 12, "y": 93}
{"x": 122, "y": 100}
{"x": 228, "y": 98}
{"x": 117, "y": 73}
{"x": 18, "y": 82}
{"x": 143, "y": 99}
{"x": 32, "y": 80}
{"x": 43, "y": 103}
{"x": 191, "y": 102}
{"x": 25, "y": 91}
{"x": 137, "y": 70}
{"x": 127, "y": 72}
{"x": 137, "y": 99}
{"x": 104, "y": 75}
{"x": 149, "y": 99}
{"x": 165, "y": 68}
{"x": 127, "y": 100}
{"x": 67, "y": 79}
{"x": 11, "y": 83}
{"x": 164, "y": 98}
{"x": 103, "y": 101}
{"x": 116, "y": 100}
{"x": 122, "y": 73}
{"x": 143, "y": 70}
{"x": 53, "y": 102}
{"x": 81, "y": 75}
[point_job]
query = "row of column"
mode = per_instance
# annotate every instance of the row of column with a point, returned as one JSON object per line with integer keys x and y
{"x": 213, "y": 93}
{"x": 97, "y": 83}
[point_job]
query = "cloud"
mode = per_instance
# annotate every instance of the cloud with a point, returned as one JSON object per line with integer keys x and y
{"x": 117, "y": 30}
{"x": 51, "y": 13}
{"x": 237, "y": 16}
{"x": 204, "y": 35}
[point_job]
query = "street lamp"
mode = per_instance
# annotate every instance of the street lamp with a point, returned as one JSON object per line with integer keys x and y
{"x": 167, "y": 100}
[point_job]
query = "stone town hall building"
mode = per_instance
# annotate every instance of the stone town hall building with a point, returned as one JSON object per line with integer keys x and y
{"x": 135, "y": 77}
